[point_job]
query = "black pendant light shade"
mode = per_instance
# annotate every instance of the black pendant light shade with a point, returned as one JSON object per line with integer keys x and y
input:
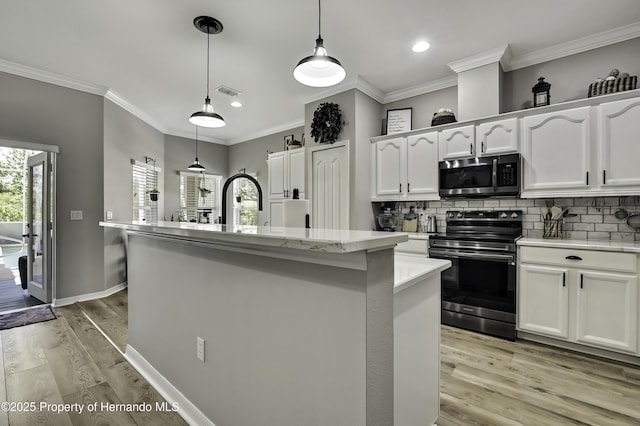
{"x": 319, "y": 69}
{"x": 196, "y": 166}
{"x": 207, "y": 117}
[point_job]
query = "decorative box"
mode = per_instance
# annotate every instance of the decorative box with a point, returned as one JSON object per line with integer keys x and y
{"x": 612, "y": 86}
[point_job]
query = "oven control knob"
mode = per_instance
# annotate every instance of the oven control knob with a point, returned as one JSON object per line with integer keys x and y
{"x": 514, "y": 215}
{"x": 503, "y": 215}
{"x": 459, "y": 215}
{"x": 451, "y": 215}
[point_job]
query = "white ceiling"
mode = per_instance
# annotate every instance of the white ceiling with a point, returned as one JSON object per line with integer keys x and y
{"x": 152, "y": 60}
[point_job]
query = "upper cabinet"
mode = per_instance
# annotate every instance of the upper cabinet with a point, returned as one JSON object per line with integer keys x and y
{"x": 286, "y": 172}
{"x": 619, "y": 124}
{"x": 498, "y": 137}
{"x": 405, "y": 167}
{"x": 556, "y": 151}
{"x": 457, "y": 142}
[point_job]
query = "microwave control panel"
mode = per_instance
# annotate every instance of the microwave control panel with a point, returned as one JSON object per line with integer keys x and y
{"x": 508, "y": 174}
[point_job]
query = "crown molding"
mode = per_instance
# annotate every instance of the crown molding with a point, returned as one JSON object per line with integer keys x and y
{"x": 266, "y": 132}
{"x": 134, "y": 110}
{"x": 421, "y": 89}
{"x": 52, "y": 78}
{"x": 500, "y": 54}
{"x": 201, "y": 137}
{"x": 580, "y": 45}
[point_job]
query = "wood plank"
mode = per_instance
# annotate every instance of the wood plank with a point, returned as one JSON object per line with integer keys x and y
{"x": 102, "y": 352}
{"x": 112, "y": 324}
{"x": 22, "y": 348}
{"x": 101, "y": 393}
{"x": 35, "y": 384}
{"x": 71, "y": 364}
{"x": 131, "y": 387}
{"x": 119, "y": 303}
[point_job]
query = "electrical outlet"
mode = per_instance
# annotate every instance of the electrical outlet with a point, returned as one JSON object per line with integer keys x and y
{"x": 200, "y": 348}
{"x": 75, "y": 215}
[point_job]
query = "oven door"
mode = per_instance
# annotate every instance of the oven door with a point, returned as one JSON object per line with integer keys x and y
{"x": 479, "y": 284}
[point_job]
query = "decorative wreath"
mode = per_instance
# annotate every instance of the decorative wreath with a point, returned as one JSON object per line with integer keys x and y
{"x": 327, "y": 123}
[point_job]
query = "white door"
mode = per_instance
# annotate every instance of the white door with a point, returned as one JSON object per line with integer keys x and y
{"x": 389, "y": 166}
{"x": 458, "y": 142}
{"x": 620, "y": 150}
{"x": 543, "y": 300}
{"x": 607, "y": 310}
{"x": 556, "y": 151}
{"x": 330, "y": 187}
{"x": 498, "y": 137}
{"x": 422, "y": 165}
{"x": 39, "y": 224}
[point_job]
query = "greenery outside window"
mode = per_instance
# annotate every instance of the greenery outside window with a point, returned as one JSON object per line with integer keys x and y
{"x": 200, "y": 197}
{"x": 245, "y": 202}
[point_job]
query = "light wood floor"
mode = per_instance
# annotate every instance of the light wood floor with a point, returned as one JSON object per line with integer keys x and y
{"x": 489, "y": 381}
{"x": 67, "y": 361}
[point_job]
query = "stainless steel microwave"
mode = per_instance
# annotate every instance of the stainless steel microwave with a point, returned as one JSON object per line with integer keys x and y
{"x": 480, "y": 177}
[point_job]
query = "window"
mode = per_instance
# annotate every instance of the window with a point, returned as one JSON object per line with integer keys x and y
{"x": 200, "y": 197}
{"x": 245, "y": 202}
{"x": 145, "y": 182}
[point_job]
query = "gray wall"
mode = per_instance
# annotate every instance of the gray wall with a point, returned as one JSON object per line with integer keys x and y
{"x": 33, "y": 111}
{"x": 570, "y": 76}
{"x": 424, "y": 106}
{"x": 126, "y": 137}
{"x": 179, "y": 153}
{"x": 252, "y": 156}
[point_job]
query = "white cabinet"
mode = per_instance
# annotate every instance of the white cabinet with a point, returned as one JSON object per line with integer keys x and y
{"x": 498, "y": 137}
{"x": 457, "y": 142}
{"x": 543, "y": 300}
{"x": 556, "y": 152}
{"x": 619, "y": 125}
{"x": 581, "y": 296}
{"x": 406, "y": 167}
{"x": 330, "y": 186}
{"x": 286, "y": 172}
{"x": 276, "y": 213}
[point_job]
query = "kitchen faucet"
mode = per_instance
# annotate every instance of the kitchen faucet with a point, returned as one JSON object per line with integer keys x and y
{"x": 223, "y": 221}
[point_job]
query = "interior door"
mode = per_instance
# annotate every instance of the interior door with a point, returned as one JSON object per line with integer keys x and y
{"x": 39, "y": 227}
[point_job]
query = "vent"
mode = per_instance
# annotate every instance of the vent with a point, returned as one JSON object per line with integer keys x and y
{"x": 227, "y": 91}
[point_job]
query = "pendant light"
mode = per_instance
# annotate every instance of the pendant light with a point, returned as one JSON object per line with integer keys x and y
{"x": 320, "y": 69}
{"x": 207, "y": 117}
{"x": 196, "y": 166}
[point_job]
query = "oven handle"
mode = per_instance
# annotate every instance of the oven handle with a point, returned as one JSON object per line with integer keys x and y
{"x": 446, "y": 254}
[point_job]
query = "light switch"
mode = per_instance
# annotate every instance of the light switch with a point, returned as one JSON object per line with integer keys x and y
{"x": 76, "y": 214}
{"x": 109, "y": 215}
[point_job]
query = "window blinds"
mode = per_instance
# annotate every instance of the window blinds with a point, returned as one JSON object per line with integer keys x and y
{"x": 200, "y": 192}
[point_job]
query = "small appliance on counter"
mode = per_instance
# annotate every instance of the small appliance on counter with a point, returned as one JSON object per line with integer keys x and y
{"x": 431, "y": 226}
{"x": 388, "y": 220}
{"x": 410, "y": 222}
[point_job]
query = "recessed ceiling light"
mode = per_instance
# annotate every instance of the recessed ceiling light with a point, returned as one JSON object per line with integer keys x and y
{"x": 420, "y": 46}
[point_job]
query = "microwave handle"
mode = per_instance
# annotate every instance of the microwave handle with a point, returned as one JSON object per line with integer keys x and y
{"x": 494, "y": 174}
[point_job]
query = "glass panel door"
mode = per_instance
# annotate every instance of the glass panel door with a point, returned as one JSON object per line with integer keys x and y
{"x": 39, "y": 228}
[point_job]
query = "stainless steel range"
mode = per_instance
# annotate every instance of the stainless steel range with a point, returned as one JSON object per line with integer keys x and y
{"x": 479, "y": 290}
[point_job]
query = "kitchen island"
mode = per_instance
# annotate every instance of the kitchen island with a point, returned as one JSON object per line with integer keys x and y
{"x": 297, "y": 324}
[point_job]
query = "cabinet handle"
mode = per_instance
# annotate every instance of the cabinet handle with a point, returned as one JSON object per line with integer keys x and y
{"x": 572, "y": 257}
{"x": 581, "y": 281}
{"x": 470, "y": 148}
{"x": 482, "y": 147}
{"x": 564, "y": 279}
{"x": 587, "y": 178}
{"x": 286, "y": 193}
{"x": 400, "y": 190}
{"x": 408, "y": 187}
{"x": 604, "y": 176}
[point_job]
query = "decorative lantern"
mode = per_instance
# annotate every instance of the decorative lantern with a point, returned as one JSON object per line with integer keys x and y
{"x": 541, "y": 93}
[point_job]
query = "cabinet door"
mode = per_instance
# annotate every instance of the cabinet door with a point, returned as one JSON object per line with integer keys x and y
{"x": 277, "y": 169}
{"x": 458, "y": 142}
{"x": 389, "y": 166}
{"x": 276, "y": 213}
{"x": 330, "y": 187}
{"x": 607, "y": 309}
{"x": 422, "y": 165}
{"x": 296, "y": 171}
{"x": 498, "y": 137}
{"x": 556, "y": 151}
{"x": 543, "y": 300}
{"x": 619, "y": 147}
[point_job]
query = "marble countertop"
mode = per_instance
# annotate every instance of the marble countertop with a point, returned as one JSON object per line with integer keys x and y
{"x": 604, "y": 245}
{"x": 322, "y": 240}
{"x": 409, "y": 270}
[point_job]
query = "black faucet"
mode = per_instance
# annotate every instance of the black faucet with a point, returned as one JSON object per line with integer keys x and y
{"x": 224, "y": 193}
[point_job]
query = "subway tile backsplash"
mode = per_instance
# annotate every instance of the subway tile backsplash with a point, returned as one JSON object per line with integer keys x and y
{"x": 595, "y": 218}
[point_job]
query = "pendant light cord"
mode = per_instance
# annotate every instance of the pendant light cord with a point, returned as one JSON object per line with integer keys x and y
{"x": 319, "y": 17}
{"x": 196, "y": 142}
{"x": 208, "y": 37}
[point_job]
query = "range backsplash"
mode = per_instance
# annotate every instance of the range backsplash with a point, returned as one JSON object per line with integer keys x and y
{"x": 595, "y": 218}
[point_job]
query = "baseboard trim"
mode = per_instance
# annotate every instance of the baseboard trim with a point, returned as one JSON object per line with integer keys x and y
{"x": 189, "y": 412}
{"x": 89, "y": 296}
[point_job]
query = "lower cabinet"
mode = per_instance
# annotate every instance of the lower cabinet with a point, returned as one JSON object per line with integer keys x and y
{"x": 570, "y": 295}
